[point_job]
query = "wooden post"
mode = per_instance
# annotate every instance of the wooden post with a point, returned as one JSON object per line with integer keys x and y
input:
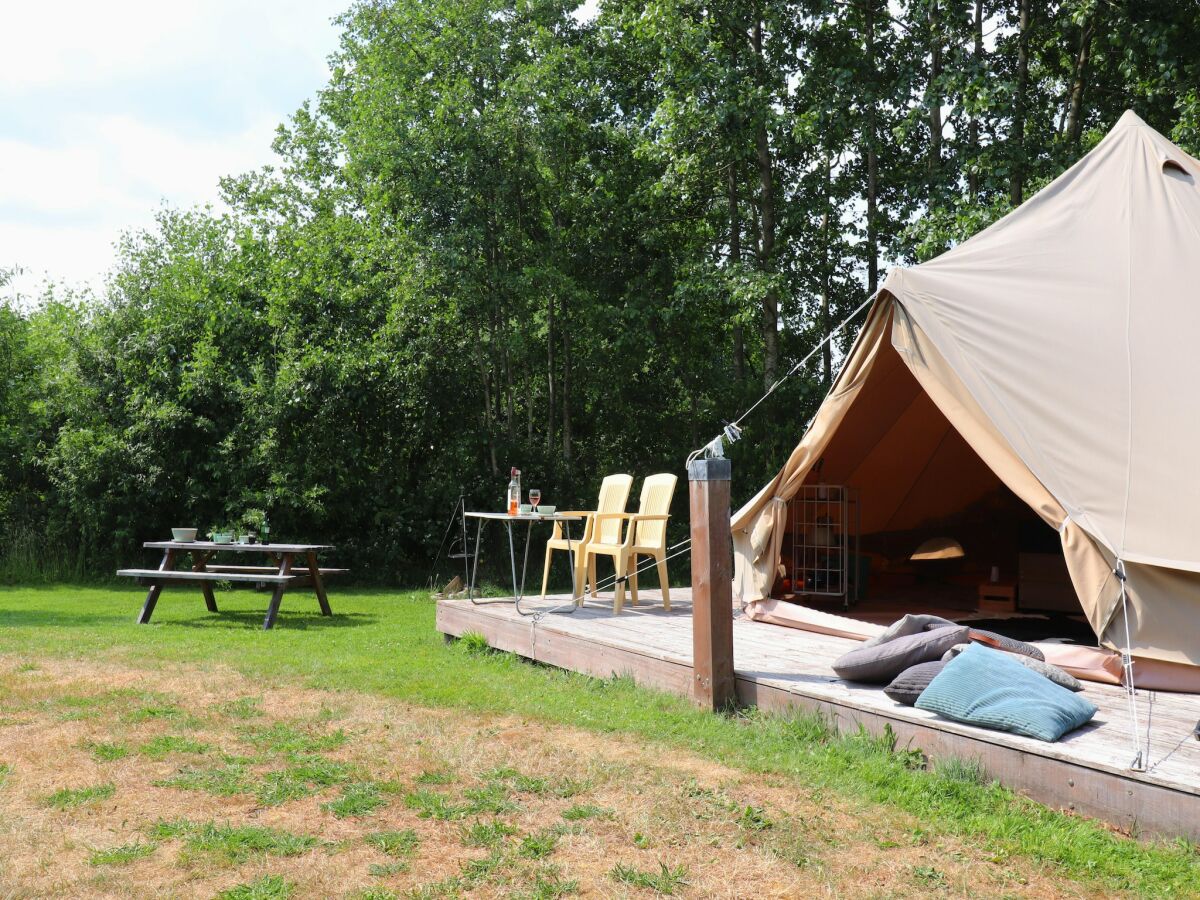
{"x": 712, "y": 583}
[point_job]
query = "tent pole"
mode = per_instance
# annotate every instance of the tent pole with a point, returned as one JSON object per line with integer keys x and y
{"x": 712, "y": 584}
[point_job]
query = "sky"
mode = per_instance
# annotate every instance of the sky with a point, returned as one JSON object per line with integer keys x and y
{"x": 110, "y": 110}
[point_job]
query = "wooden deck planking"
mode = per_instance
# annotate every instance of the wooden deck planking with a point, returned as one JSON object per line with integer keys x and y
{"x": 781, "y": 668}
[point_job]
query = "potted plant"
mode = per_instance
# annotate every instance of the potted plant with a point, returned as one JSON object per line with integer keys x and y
{"x": 254, "y": 523}
{"x": 222, "y": 534}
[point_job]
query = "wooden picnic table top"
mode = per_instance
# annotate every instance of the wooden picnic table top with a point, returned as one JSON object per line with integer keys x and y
{"x": 237, "y": 548}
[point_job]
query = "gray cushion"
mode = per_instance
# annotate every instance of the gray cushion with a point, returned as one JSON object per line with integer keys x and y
{"x": 1054, "y": 673}
{"x": 991, "y": 689}
{"x": 908, "y": 685}
{"x": 1007, "y": 644}
{"x": 954, "y": 651}
{"x": 883, "y": 662}
{"x": 910, "y": 624}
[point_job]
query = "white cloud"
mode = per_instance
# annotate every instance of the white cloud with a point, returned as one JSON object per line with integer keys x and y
{"x": 108, "y": 110}
{"x": 587, "y": 10}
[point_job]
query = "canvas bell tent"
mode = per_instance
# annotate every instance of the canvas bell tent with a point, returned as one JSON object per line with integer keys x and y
{"x": 1032, "y": 396}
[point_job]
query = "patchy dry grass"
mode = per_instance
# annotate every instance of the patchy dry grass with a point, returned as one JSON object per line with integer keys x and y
{"x": 228, "y": 790}
{"x": 269, "y": 887}
{"x": 105, "y": 751}
{"x": 664, "y": 881}
{"x": 69, "y": 798}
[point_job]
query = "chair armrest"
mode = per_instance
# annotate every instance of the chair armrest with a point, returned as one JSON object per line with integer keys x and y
{"x": 623, "y": 517}
{"x": 586, "y": 514}
{"x": 648, "y": 517}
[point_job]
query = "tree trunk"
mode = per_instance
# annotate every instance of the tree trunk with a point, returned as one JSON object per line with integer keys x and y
{"x": 1016, "y": 191}
{"x": 487, "y": 406}
{"x": 826, "y": 272}
{"x": 1074, "y": 126}
{"x": 527, "y": 380}
{"x": 770, "y": 302}
{"x": 510, "y": 413}
{"x": 550, "y": 398}
{"x": 973, "y": 127}
{"x": 735, "y": 260}
{"x": 872, "y": 159}
{"x": 566, "y": 388}
{"x": 934, "y": 98}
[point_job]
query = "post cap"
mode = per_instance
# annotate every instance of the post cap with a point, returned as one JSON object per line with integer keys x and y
{"x": 710, "y": 470}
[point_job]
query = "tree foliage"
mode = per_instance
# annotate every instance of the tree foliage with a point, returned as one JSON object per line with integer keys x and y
{"x": 504, "y": 235}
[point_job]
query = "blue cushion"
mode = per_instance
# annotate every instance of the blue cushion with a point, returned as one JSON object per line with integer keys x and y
{"x": 985, "y": 687}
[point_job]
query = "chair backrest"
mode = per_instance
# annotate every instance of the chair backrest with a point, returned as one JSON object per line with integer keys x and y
{"x": 614, "y": 494}
{"x": 657, "y": 491}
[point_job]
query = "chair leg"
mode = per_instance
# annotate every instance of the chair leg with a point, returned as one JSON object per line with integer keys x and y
{"x": 631, "y": 568}
{"x": 621, "y": 564}
{"x": 579, "y": 585}
{"x": 546, "y": 571}
{"x": 663, "y": 583}
{"x": 591, "y": 570}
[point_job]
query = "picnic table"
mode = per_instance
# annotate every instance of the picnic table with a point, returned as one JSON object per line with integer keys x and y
{"x": 294, "y": 565}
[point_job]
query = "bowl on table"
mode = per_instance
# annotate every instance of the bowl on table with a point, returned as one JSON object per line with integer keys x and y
{"x": 546, "y": 510}
{"x": 526, "y": 509}
{"x": 183, "y": 535}
{"x": 221, "y": 537}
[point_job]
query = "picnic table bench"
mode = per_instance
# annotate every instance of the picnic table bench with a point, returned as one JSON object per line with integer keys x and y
{"x": 288, "y": 572}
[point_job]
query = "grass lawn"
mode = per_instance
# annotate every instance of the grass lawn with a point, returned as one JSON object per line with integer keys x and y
{"x": 361, "y": 756}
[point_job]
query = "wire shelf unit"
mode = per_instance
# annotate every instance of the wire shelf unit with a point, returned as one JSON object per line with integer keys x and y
{"x": 825, "y": 542}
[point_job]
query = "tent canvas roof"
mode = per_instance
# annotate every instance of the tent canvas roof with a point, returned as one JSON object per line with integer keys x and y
{"x": 1073, "y": 323}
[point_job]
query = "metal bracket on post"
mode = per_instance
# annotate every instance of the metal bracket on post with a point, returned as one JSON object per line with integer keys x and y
{"x": 712, "y": 583}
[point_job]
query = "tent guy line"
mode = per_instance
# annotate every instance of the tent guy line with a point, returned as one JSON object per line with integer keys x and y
{"x": 732, "y": 431}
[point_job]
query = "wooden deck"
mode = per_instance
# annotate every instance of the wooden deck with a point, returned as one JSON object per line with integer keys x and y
{"x": 779, "y": 668}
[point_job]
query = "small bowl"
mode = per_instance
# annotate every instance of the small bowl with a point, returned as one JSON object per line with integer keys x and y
{"x": 526, "y": 508}
{"x": 546, "y": 510}
{"x": 183, "y": 535}
{"x": 221, "y": 537}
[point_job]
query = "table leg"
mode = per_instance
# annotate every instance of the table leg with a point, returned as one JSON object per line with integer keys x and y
{"x": 168, "y": 562}
{"x": 576, "y": 594}
{"x": 314, "y": 572}
{"x": 285, "y": 568}
{"x": 524, "y": 564}
{"x": 475, "y": 564}
{"x": 568, "y": 608}
{"x": 512, "y": 558}
{"x": 200, "y": 563}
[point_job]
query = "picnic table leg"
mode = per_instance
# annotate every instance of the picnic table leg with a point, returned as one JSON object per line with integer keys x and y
{"x": 200, "y": 564}
{"x": 314, "y": 572}
{"x": 285, "y": 568}
{"x": 168, "y": 561}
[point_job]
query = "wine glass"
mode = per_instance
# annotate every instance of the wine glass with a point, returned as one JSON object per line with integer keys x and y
{"x": 535, "y": 497}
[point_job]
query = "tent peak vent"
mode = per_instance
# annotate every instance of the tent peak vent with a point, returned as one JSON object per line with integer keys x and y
{"x": 1175, "y": 168}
